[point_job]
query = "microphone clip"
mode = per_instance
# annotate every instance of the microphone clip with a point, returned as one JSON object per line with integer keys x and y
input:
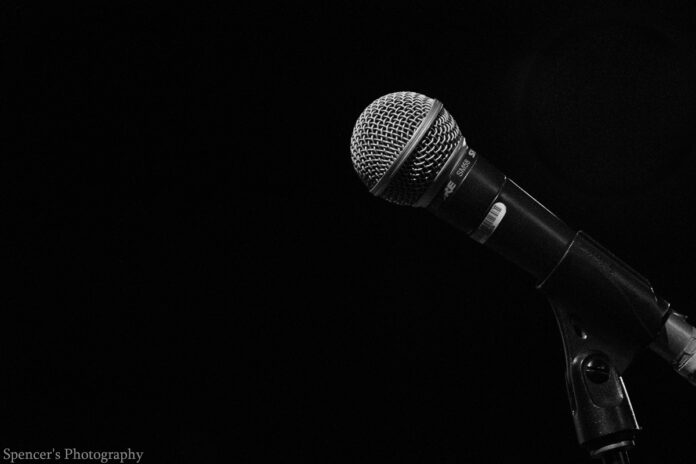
{"x": 606, "y": 313}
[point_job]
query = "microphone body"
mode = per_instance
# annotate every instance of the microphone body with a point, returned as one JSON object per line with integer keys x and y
{"x": 606, "y": 311}
{"x": 570, "y": 268}
{"x": 478, "y": 199}
{"x": 609, "y": 298}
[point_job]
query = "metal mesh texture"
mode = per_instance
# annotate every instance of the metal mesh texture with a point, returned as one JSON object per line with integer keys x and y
{"x": 382, "y": 131}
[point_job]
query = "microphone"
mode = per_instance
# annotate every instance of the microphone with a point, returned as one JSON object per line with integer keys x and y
{"x": 407, "y": 149}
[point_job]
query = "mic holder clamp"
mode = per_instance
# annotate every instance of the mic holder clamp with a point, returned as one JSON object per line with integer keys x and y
{"x": 676, "y": 343}
{"x": 606, "y": 313}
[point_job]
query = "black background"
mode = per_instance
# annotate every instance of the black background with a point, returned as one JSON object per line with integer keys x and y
{"x": 197, "y": 272}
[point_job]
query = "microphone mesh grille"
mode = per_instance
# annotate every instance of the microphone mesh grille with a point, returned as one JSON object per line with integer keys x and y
{"x": 384, "y": 129}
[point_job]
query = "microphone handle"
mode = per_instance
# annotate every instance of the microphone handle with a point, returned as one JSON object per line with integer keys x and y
{"x": 477, "y": 198}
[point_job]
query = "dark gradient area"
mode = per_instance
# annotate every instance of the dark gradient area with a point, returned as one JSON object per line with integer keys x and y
{"x": 196, "y": 271}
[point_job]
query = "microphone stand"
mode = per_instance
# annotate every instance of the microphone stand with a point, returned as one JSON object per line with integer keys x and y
{"x": 603, "y": 416}
{"x": 599, "y": 303}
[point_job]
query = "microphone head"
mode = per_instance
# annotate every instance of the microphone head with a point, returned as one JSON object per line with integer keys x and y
{"x": 400, "y": 143}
